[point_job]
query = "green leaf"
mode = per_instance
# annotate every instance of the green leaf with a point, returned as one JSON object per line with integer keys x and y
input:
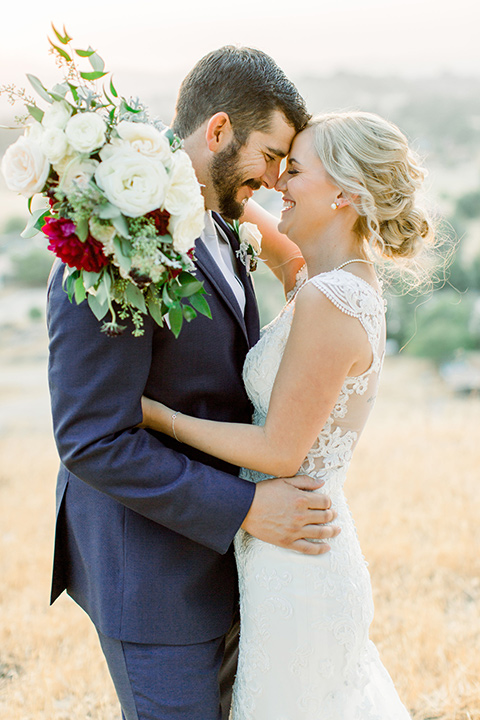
{"x": 81, "y": 229}
{"x": 200, "y": 304}
{"x": 90, "y": 279}
{"x": 35, "y": 112}
{"x": 65, "y": 38}
{"x": 98, "y": 309}
{"x": 39, "y": 88}
{"x": 135, "y": 297}
{"x": 189, "y": 287}
{"x": 103, "y": 288}
{"x": 85, "y": 53}
{"x": 60, "y": 89}
{"x": 96, "y": 62}
{"x": 73, "y": 90}
{"x": 175, "y": 315}
{"x": 61, "y": 51}
{"x": 80, "y": 292}
{"x": 34, "y": 224}
{"x": 155, "y": 311}
{"x": 69, "y": 279}
{"x": 108, "y": 211}
{"x": 92, "y": 75}
{"x": 112, "y": 88}
{"x": 121, "y": 253}
{"x": 189, "y": 313}
{"x": 169, "y": 302}
{"x": 29, "y": 204}
{"x": 121, "y": 226}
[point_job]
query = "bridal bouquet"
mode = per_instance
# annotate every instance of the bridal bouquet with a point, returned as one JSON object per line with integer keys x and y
{"x": 124, "y": 204}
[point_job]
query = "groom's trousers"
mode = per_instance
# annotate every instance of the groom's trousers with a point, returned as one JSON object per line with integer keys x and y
{"x": 173, "y": 682}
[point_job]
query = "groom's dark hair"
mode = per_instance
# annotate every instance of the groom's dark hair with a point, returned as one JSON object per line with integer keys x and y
{"x": 243, "y": 82}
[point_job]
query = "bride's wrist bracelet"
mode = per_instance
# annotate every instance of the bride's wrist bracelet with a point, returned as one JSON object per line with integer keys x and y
{"x": 174, "y": 417}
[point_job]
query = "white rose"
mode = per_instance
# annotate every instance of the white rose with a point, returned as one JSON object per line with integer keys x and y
{"x": 185, "y": 229}
{"x": 34, "y": 132}
{"x": 55, "y": 145}
{"x": 251, "y": 235}
{"x": 134, "y": 183}
{"x": 86, "y": 132}
{"x": 57, "y": 115}
{"x": 183, "y": 187}
{"x": 77, "y": 174}
{"x": 25, "y": 167}
{"x": 144, "y": 139}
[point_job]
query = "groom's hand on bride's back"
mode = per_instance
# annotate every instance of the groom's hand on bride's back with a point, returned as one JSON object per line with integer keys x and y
{"x": 285, "y": 512}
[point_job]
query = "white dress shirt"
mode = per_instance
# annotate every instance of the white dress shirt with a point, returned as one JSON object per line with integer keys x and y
{"x": 219, "y": 248}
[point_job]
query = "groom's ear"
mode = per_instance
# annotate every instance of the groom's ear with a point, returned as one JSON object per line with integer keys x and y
{"x": 219, "y": 132}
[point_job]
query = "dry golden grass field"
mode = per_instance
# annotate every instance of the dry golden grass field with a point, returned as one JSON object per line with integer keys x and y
{"x": 415, "y": 492}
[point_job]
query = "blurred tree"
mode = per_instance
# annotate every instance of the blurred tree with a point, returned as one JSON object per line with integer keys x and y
{"x": 32, "y": 268}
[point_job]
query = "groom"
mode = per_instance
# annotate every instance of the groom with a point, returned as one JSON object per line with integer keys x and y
{"x": 145, "y": 524}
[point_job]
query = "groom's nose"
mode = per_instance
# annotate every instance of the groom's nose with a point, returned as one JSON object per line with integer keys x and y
{"x": 270, "y": 176}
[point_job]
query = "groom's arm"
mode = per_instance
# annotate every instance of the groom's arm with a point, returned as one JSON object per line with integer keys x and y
{"x": 96, "y": 383}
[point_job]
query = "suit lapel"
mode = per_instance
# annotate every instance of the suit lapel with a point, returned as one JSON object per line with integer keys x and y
{"x": 210, "y": 268}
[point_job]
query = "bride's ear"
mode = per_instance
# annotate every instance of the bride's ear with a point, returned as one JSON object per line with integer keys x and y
{"x": 219, "y": 132}
{"x": 342, "y": 200}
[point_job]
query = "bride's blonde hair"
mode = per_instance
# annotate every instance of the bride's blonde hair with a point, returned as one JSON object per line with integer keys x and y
{"x": 369, "y": 157}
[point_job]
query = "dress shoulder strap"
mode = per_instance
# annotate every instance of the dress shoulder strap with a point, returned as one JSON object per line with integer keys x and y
{"x": 356, "y": 297}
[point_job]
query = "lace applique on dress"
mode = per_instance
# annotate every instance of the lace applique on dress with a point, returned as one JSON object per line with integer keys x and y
{"x": 304, "y": 647}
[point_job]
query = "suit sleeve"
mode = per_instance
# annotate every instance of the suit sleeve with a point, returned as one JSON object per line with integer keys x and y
{"x": 96, "y": 383}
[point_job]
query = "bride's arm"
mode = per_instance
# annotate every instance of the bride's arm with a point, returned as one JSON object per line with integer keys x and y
{"x": 282, "y": 256}
{"x": 324, "y": 346}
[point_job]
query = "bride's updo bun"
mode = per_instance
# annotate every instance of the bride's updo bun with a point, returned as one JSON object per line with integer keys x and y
{"x": 370, "y": 160}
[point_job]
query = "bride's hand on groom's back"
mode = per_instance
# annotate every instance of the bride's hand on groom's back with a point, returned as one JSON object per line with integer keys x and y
{"x": 285, "y": 512}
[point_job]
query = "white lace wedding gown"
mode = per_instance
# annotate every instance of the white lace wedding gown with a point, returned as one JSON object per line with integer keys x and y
{"x": 304, "y": 647}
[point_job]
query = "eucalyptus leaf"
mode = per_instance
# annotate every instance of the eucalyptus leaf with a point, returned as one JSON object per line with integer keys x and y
{"x": 73, "y": 90}
{"x": 85, "y": 53}
{"x": 90, "y": 279}
{"x": 39, "y": 88}
{"x": 98, "y": 309}
{"x": 96, "y": 62}
{"x": 61, "y": 89}
{"x": 61, "y": 52}
{"x": 135, "y": 297}
{"x": 81, "y": 229}
{"x": 201, "y": 305}
{"x": 80, "y": 292}
{"x": 121, "y": 254}
{"x": 103, "y": 289}
{"x": 34, "y": 224}
{"x": 155, "y": 311}
{"x": 108, "y": 211}
{"x": 92, "y": 75}
{"x": 120, "y": 225}
{"x": 175, "y": 315}
{"x": 112, "y": 88}
{"x": 35, "y": 112}
{"x": 65, "y": 38}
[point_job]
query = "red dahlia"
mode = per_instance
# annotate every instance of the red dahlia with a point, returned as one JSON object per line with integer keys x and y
{"x": 161, "y": 218}
{"x": 68, "y": 247}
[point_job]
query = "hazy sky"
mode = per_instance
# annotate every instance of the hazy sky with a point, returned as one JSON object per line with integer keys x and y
{"x": 409, "y": 37}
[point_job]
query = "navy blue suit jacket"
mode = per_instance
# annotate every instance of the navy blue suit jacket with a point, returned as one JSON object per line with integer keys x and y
{"x": 145, "y": 524}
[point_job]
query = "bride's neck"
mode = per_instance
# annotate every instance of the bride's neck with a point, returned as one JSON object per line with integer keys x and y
{"x": 326, "y": 253}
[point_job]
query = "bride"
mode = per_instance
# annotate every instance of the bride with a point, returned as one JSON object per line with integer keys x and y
{"x": 349, "y": 192}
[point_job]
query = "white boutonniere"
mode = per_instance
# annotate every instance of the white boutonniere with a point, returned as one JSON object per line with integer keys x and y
{"x": 250, "y": 245}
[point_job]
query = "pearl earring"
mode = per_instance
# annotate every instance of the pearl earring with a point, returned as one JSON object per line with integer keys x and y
{"x": 334, "y": 206}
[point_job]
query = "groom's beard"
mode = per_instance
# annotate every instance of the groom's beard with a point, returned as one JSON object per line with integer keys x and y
{"x": 227, "y": 180}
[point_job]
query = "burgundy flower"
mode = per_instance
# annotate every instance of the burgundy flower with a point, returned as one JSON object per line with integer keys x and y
{"x": 68, "y": 247}
{"x": 161, "y": 218}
